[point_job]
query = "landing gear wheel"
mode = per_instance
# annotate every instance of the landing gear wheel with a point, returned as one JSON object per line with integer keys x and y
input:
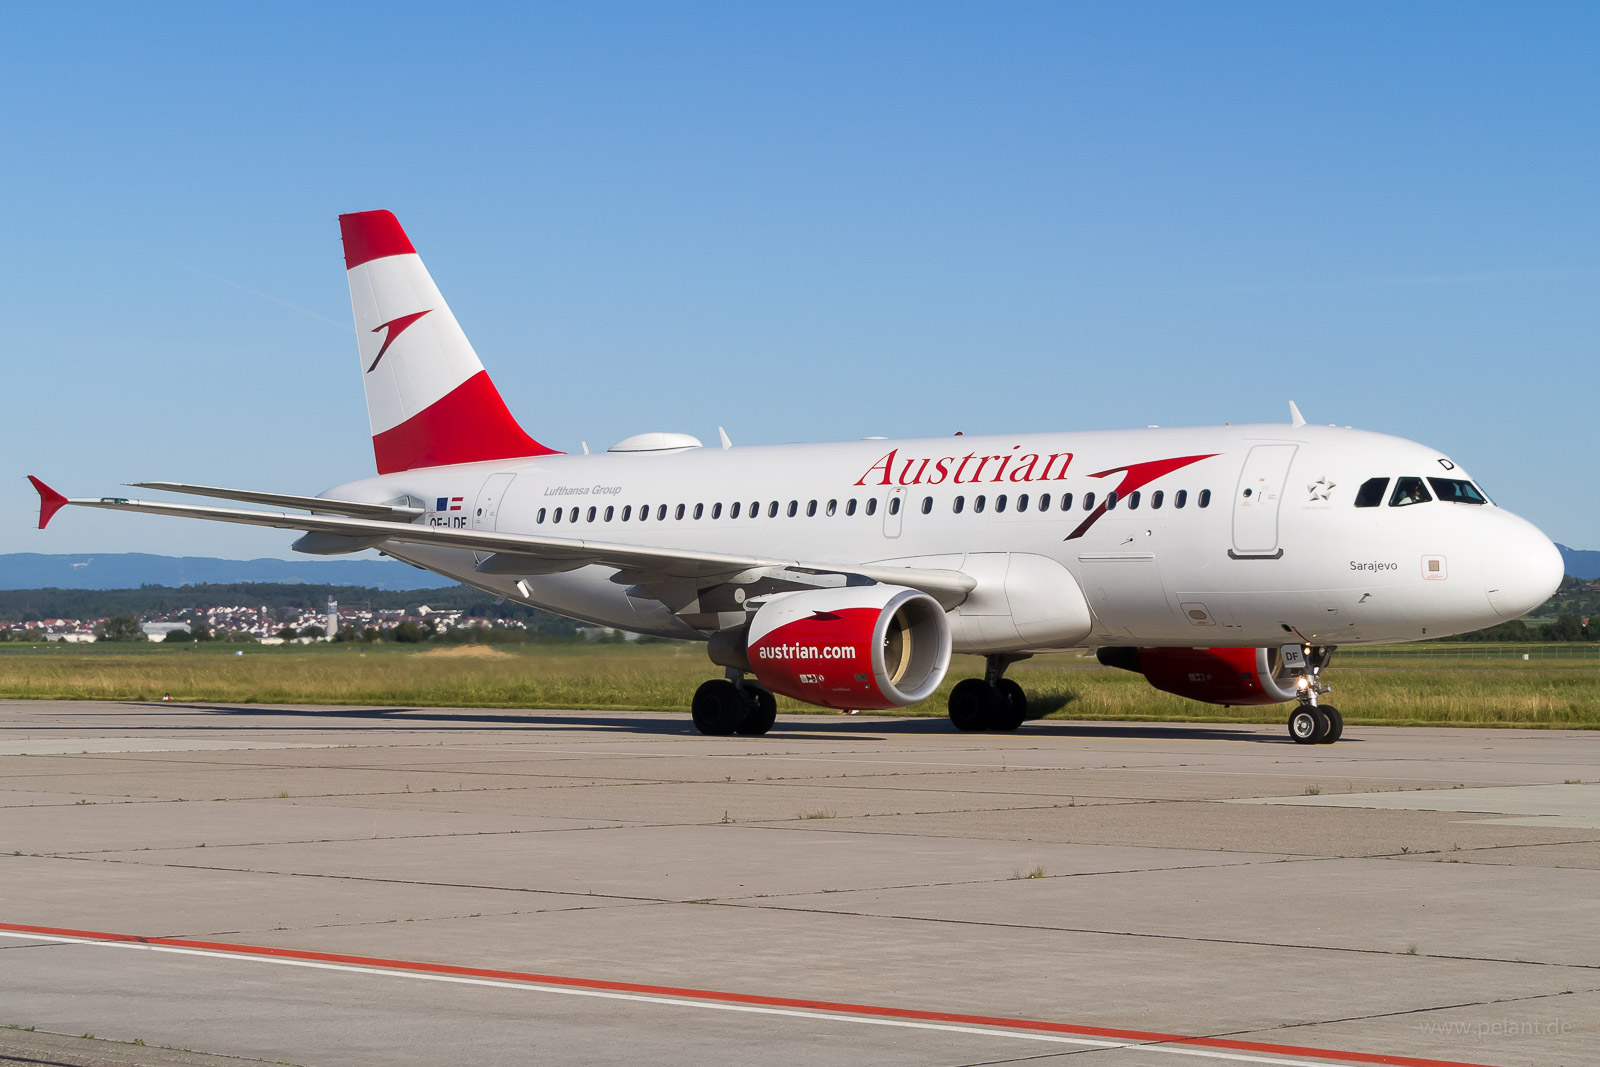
{"x": 761, "y": 713}
{"x": 718, "y": 708}
{"x": 1335, "y": 723}
{"x": 971, "y": 702}
{"x": 1307, "y": 725}
{"x": 1011, "y": 709}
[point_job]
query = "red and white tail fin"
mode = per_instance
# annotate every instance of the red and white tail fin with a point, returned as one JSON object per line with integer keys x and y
{"x": 429, "y": 399}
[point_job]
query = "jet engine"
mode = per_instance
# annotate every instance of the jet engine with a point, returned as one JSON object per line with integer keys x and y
{"x": 1231, "y": 676}
{"x": 868, "y": 647}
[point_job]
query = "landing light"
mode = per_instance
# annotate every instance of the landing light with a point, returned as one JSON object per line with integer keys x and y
{"x": 1302, "y": 682}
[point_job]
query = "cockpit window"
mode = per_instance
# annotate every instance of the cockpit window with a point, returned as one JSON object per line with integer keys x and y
{"x": 1409, "y": 491}
{"x": 1370, "y": 495}
{"x": 1457, "y": 491}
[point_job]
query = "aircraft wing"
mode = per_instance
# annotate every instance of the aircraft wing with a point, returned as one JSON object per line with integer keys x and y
{"x": 516, "y": 553}
{"x": 355, "y": 509}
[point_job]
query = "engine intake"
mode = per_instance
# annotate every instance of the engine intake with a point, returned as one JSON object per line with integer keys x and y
{"x": 1230, "y": 676}
{"x": 869, "y": 647}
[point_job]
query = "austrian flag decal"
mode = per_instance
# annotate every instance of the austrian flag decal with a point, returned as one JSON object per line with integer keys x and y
{"x": 447, "y": 503}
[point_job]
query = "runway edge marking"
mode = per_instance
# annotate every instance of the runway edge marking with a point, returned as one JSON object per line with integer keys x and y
{"x": 999, "y": 1025}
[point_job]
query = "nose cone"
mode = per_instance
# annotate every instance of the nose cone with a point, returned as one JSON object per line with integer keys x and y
{"x": 1521, "y": 568}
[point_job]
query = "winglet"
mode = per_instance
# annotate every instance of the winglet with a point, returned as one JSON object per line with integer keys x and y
{"x": 1296, "y": 419}
{"x": 50, "y": 501}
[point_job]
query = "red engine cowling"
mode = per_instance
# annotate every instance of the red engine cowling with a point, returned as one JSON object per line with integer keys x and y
{"x": 868, "y": 647}
{"x": 1233, "y": 676}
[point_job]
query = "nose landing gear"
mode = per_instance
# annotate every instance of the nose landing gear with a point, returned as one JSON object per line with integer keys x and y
{"x": 993, "y": 702}
{"x": 1311, "y": 722}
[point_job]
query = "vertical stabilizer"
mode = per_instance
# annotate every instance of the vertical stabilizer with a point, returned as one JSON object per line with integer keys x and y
{"x": 429, "y": 400}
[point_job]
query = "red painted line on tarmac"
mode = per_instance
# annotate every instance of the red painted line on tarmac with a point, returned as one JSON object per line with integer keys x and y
{"x": 715, "y": 996}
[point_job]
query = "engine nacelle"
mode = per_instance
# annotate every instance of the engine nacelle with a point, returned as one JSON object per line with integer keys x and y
{"x": 1232, "y": 676}
{"x": 868, "y": 647}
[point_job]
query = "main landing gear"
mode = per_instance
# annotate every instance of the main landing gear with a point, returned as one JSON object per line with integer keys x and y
{"x": 1311, "y": 723}
{"x": 732, "y": 705}
{"x": 993, "y": 702}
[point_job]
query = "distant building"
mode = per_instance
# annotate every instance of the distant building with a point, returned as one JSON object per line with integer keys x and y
{"x": 158, "y": 631}
{"x": 332, "y": 624}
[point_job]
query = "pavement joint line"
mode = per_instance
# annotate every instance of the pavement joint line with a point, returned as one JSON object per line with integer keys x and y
{"x": 1209, "y": 1047}
{"x": 740, "y": 902}
{"x": 727, "y": 901}
{"x": 385, "y": 881}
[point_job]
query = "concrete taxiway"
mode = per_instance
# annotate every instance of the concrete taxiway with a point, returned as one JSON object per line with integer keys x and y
{"x": 341, "y": 886}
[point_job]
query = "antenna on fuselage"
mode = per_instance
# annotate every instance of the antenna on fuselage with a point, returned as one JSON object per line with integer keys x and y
{"x": 727, "y": 442}
{"x": 1296, "y": 419}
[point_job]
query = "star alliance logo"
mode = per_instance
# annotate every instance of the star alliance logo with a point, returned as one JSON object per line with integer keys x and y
{"x": 395, "y": 327}
{"x": 1321, "y": 488}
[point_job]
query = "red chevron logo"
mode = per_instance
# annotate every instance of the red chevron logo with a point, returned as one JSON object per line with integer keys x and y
{"x": 395, "y": 327}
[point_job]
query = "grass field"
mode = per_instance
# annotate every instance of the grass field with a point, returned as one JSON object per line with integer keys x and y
{"x": 1556, "y": 686}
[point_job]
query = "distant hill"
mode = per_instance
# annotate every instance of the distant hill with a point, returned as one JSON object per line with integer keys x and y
{"x": 130, "y": 570}
{"x": 1580, "y": 563}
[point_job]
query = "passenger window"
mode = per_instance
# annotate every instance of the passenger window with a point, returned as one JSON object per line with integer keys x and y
{"x": 1044, "y": 501}
{"x": 794, "y": 508}
{"x": 833, "y": 506}
{"x": 1205, "y": 498}
{"x": 644, "y": 512}
{"x": 716, "y": 511}
{"x": 850, "y": 506}
{"x": 733, "y": 510}
{"x": 1133, "y": 500}
{"x": 1088, "y": 502}
{"x": 927, "y": 505}
{"x": 894, "y": 505}
{"x": 1155, "y": 500}
{"x": 610, "y": 513}
{"x": 772, "y": 510}
{"x": 1022, "y": 502}
{"x": 811, "y": 510}
{"x": 591, "y": 515}
{"x": 1180, "y": 498}
{"x": 699, "y": 510}
{"x": 1000, "y": 503}
{"x": 1370, "y": 495}
{"x": 574, "y": 516}
{"x": 627, "y": 512}
{"x": 677, "y": 512}
{"x": 957, "y": 504}
{"x": 1457, "y": 491}
{"x": 977, "y": 503}
{"x": 1111, "y": 500}
{"x": 556, "y": 516}
{"x": 540, "y": 517}
{"x": 661, "y": 513}
{"x": 1066, "y": 501}
{"x": 1409, "y": 491}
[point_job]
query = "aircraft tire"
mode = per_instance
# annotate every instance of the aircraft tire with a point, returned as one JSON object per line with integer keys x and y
{"x": 762, "y": 711}
{"x": 971, "y": 702}
{"x": 1307, "y": 725}
{"x": 1011, "y": 709}
{"x": 718, "y": 708}
{"x": 1335, "y": 723}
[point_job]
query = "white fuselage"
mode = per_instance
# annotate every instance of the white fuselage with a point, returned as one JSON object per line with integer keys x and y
{"x": 1266, "y": 547}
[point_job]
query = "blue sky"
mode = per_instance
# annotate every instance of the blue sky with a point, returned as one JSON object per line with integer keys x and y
{"x": 802, "y": 222}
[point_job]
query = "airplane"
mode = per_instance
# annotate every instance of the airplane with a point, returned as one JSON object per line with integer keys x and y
{"x": 1225, "y": 564}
